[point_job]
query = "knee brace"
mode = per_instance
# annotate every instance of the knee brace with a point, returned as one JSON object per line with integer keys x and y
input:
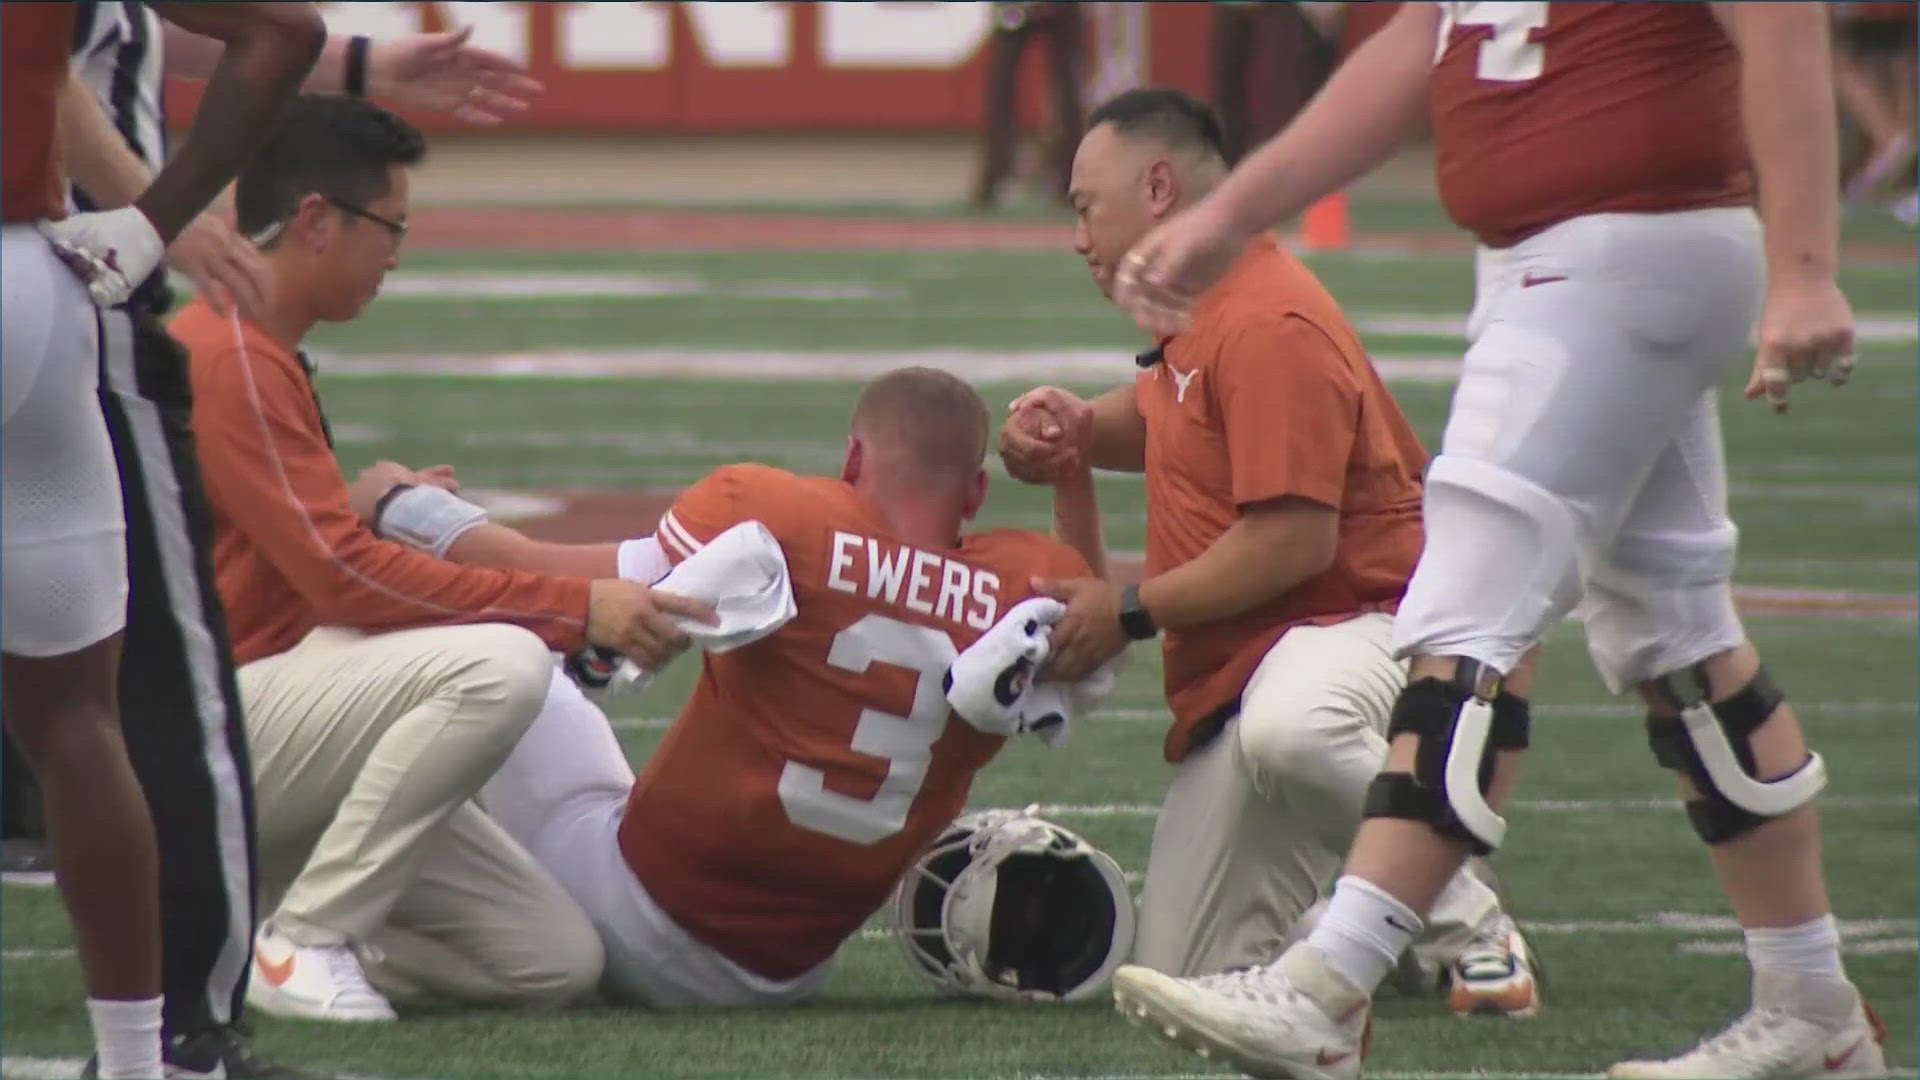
{"x": 1711, "y": 743}
{"x": 1461, "y": 722}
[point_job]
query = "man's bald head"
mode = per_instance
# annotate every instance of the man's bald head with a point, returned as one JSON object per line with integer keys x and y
{"x": 922, "y": 423}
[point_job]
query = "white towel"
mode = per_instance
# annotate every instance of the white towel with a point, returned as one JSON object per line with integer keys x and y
{"x": 742, "y": 573}
{"x": 991, "y": 684}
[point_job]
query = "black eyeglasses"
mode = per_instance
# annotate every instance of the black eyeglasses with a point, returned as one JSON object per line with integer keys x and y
{"x": 397, "y": 228}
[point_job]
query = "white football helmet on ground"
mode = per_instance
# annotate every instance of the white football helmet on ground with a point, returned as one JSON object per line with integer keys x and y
{"x": 1006, "y": 905}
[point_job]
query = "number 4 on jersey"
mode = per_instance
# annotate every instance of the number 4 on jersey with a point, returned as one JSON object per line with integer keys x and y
{"x": 1511, "y": 54}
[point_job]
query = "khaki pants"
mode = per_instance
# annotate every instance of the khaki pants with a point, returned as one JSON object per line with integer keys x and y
{"x": 1257, "y": 823}
{"x": 367, "y": 751}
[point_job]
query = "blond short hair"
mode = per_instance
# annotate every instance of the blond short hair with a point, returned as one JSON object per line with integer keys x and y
{"x": 928, "y": 420}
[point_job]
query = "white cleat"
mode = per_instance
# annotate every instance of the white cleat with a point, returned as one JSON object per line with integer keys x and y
{"x": 310, "y": 982}
{"x": 1295, "y": 1018}
{"x": 1497, "y": 975}
{"x": 1775, "y": 1040}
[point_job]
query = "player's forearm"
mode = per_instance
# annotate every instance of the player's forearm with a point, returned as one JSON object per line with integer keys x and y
{"x": 98, "y": 158}
{"x": 190, "y": 56}
{"x": 1251, "y": 564}
{"x": 1786, "y": 102}
{"x": 506, "y": 548}
{"x": 1076, "y": 520}
{"x": 1119, "y": 442}
{"x": 1369, "y": 106}
{"x": 267, "y": 53}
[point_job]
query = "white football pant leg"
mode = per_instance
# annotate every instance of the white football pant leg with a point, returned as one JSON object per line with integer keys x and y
{"x": 1593, "y": 344}
{"x": 63, "y": 552}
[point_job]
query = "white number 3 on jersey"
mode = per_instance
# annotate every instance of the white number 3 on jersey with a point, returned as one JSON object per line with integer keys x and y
{"x": 906, "y": 742}
{"x": 1511, "y": 54}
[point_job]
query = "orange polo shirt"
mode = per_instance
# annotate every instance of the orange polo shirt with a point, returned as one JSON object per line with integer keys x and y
{"x": 1269, "y": 394}
{"x": 289, "y": 552}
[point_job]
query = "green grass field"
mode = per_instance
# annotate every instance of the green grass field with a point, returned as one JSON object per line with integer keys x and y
{"x": 1641, "y": 952}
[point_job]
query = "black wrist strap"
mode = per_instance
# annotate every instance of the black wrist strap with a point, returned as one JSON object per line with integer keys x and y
{"x": 356, "y": 78}
{"x": 1135, "y": 620}
{"x": 380, "y": 507}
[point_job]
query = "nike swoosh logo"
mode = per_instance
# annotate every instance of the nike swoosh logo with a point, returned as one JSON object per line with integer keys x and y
{"x": 1400, "y": 926}
{"x": 1834, "y": 1061}
{"x": 276, "y": 973}
{"x": 1532, "y": 279}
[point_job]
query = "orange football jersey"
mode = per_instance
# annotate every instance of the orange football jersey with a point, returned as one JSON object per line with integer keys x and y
{"x": 1548, "y": 111}
{"x": 810, "y": 767}
{"x": 35, "y": 43}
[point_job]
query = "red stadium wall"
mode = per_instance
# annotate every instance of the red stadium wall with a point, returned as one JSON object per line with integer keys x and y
{"x": 647, "y": 68}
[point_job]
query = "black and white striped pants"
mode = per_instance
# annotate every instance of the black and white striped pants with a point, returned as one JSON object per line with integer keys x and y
{"x": 179, "y": 705}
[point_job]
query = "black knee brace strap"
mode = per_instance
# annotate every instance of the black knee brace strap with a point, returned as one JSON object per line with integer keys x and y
{"x": 1430, "y": 708}
{"x": 1714, "y": 817}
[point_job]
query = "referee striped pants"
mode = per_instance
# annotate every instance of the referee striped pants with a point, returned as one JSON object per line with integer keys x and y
{"x": 179, "y": 704}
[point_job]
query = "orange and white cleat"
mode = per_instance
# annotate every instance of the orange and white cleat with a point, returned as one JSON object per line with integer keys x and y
{"x": 1497, "y": 975}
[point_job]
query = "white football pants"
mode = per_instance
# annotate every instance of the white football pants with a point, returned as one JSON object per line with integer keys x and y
{"x": 1582, "y": 455}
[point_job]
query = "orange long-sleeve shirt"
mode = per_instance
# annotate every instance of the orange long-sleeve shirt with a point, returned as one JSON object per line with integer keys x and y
{"x": 289, "y": 551}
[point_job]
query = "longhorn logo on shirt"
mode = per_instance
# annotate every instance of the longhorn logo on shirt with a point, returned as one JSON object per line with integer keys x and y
{"x": 1181, "y": 380}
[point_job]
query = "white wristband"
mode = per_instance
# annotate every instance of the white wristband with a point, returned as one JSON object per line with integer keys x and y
{"x": 427, "y": 517}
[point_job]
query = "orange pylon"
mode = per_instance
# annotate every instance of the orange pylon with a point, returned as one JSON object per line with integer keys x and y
{"x": 1325, "y": 225}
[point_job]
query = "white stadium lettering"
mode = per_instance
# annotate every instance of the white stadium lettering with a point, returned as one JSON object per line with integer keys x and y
{"x": 639, "y": 36}
{"x": 926, "y": 35}
{"x": 743, "y": 35}
{"x": 614, "y": 37}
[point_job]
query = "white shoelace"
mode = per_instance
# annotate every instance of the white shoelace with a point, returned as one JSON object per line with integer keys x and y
{"x": 1254, "y": 984}
{"x": 1490, "y": 955}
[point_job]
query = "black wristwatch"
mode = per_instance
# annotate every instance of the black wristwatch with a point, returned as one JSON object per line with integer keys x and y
{"x": 1135, "y": 620}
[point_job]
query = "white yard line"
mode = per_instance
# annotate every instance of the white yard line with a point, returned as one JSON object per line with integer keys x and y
{"x": 1545, "y": 806}
{"x": 1152, "y": 715}
{"x": 763, "y": 365}
{"x": 421, "y": 285}
{"x": 463, "y": 285}
{"x": 1869, "y": 947}
{"x": 13, "y": 1067}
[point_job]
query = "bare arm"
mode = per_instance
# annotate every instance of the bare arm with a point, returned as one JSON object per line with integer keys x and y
{"x": 1786, "y": 100}
{"x": 1119, "y": 437}
{"x": 190, "y": 56}
{"x": 1076, "y": 520}
{"x": 441, "y": 72}
{"x": 98, "y": 158}
{"x": 505, "y": 548}
{"x": 1273, "y": 547}
{"x": 269, "y": 47}
{"x": 223, "y": 268}
{"x": 1366, "y": 109}
{"x": 1786, "y": 104}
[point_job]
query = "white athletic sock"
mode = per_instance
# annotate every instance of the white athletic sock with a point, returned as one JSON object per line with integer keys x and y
{"x": 1363, "y": 932}
{"x": 1810, "y": 950}
{"x": 127, "y": 1036}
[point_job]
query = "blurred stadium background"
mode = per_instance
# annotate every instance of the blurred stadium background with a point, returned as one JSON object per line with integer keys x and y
{"x": 720, "y": 217}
